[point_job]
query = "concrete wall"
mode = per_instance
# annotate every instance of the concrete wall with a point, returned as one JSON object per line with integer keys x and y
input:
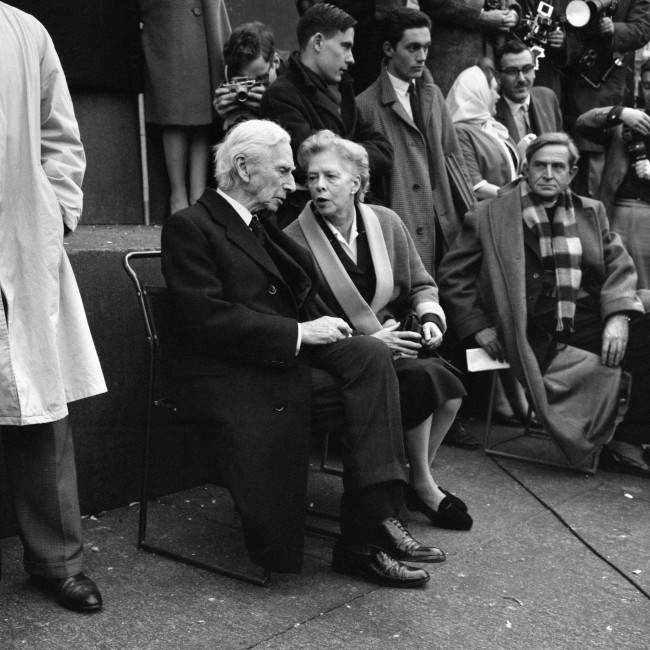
{"x": 108, "y": 429}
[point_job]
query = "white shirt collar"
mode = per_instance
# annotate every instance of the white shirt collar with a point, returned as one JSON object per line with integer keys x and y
{"x": 516, "y": 106}
{"x": 401, "y": 87}
{"x": 350, "y": 247}
{"x": 243, "y": 212}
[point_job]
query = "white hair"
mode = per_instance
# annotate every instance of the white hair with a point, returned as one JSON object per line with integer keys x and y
{"x": 251, "y": 139}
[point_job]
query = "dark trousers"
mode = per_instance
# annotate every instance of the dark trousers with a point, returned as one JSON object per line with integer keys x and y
{"x": 374, "y": 462}
{"x": 42, "y": 476}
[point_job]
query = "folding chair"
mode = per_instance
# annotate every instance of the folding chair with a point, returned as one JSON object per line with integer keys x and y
{"x": 156, "y": 314}
{"x": 536, "y": 440}
{"x": 155, "y": 310}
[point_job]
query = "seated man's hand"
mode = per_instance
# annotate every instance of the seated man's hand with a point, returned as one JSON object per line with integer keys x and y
{"x": 642, "y": 169}
{"x": 323, "y": 330}
{"x": 402, "y": 344}
{"x": 636, "y": 119}
{"x": 488, "y": 339}
{"x": 615, "y": 335}
{"x": 431, "y": 335}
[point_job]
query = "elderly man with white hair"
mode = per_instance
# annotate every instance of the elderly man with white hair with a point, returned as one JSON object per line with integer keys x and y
{"x": 254, "y": 341}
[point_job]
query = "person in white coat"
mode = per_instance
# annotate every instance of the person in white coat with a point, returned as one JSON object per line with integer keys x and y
{"x": 47, "y": 356}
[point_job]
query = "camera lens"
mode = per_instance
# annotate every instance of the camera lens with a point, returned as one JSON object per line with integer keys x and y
{"x": 242, "y": 95}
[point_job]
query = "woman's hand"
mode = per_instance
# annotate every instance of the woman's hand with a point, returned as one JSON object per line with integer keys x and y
{"x": 431, "y": 335}
{"x": 402, "y": 344}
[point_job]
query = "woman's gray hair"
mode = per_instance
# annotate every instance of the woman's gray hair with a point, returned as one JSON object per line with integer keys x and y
{"x": 251, "y": 139}
{"x": 346, "y": 150}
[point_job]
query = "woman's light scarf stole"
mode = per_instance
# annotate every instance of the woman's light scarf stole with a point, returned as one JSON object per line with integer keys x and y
{"x": 560, "y": 245}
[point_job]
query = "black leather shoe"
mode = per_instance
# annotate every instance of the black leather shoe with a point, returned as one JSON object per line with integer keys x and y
{"x": 393, "y": 537}
{"x": 459, "y": 436}
{"x": 449, "y": 515}
{"x": 457, "y": 501}
{"x": 78, "y": 593}
{"x": 414, "y": 503}
{"x": 377, "y": 566}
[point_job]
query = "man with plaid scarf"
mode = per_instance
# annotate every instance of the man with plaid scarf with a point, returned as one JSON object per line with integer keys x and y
{"x": 538, "y": 278}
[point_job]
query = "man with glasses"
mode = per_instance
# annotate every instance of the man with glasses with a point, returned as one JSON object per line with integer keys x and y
{"x": 522, "y": 108}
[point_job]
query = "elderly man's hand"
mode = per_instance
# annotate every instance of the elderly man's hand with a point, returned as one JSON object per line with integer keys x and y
{"x": 323, "y": 330}
{"x": 489, "y": 340}
{"x": 431, "y": 335}
{"x": 615, "y": 336}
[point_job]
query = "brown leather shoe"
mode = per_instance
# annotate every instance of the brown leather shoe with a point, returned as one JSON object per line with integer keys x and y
{"x": 377, "y": 566}
{"x": 393, "y": 537}
{"x": 78, "y": 593}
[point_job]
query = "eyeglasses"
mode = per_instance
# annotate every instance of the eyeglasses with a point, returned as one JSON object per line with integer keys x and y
{"x": 514, "y": 72}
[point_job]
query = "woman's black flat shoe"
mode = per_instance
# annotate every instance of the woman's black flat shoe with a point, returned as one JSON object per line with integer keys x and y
{"x": 457, "y": 501}
{"x": 447, "y": 516}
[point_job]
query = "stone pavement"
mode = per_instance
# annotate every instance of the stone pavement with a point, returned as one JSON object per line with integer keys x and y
{"x": 556, "y": 559}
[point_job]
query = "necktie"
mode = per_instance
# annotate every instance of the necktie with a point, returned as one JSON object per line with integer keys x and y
{"x": 415, "y": 107}
{"x": 524, "y": 119}
{"x": 258, "y": 229}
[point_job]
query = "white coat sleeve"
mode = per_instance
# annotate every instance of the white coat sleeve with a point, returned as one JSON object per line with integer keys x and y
{"x": 62, "y": 154}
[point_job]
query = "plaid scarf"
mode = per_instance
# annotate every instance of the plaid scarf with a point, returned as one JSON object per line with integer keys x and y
{"x": 560, "y": 248}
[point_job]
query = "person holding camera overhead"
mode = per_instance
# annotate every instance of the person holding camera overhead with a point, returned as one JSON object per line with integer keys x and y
{"x": 463, "y": 32}
{"x": 624, "y": 186}
{"x": 251, "y": 64}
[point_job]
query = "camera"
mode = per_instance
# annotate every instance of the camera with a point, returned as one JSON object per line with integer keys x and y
{"x": 241, "y": 86}
{"x": 535, "y": 29}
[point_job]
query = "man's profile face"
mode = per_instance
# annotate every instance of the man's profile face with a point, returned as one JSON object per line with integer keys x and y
{"x": 549, "y": 173}
{"x": 334, "y": 55}
{"x": 271, "y": 178}
{"x": 516, "y": 75}
{"x": 406, "y": 59}
{"x": 645, "y": 90}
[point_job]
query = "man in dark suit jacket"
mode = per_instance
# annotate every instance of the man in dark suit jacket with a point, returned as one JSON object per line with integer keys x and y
{"x": 317, "y": 93}
{"x": 251, "y": 332}
{"x": 522, "y": 108}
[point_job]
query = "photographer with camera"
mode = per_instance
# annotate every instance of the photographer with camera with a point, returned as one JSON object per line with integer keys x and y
{"x": 624, "y": 185}
{"x": 464, "y": 31}
{"x": 251, "y": 64}
{"x": 587, "y": 61}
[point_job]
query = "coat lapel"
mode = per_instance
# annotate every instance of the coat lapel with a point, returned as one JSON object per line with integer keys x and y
{"x": 389, "y": 98}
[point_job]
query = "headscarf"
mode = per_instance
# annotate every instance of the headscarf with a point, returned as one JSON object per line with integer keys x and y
{"x": 471, "y": 100}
